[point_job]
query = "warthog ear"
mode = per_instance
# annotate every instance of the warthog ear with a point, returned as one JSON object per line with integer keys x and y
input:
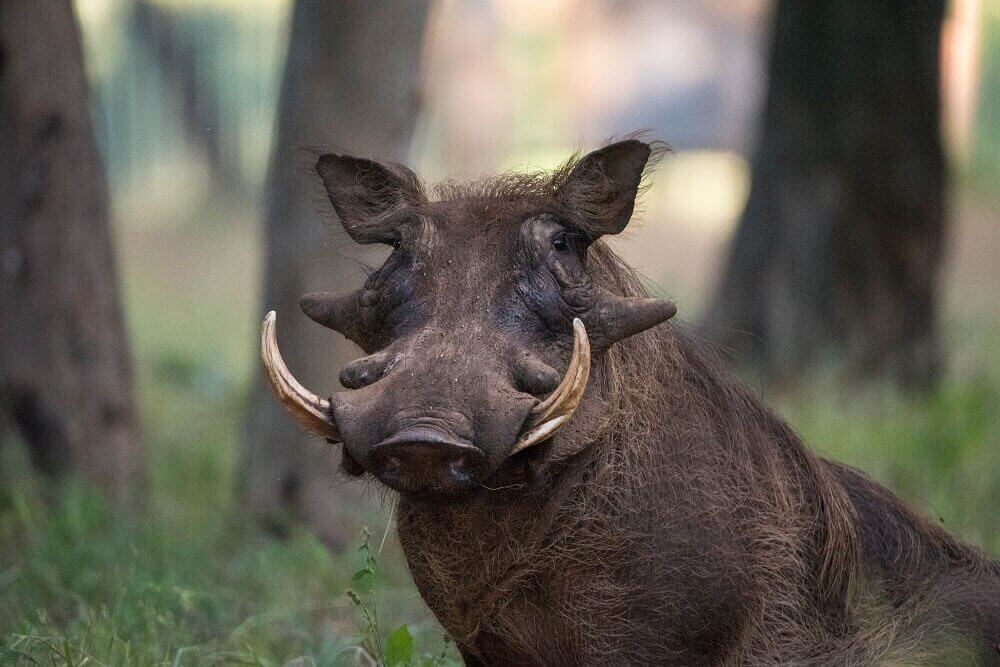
{"x": 364, "y": 194}
{"x": 603, "y": 185}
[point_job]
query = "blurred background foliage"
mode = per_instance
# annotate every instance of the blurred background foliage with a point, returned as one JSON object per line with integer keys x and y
{"x": 507, "y": 84}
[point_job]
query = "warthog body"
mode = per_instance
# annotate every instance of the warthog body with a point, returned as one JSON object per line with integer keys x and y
{"x": 697, "y": 529}
{"x": 674, "y": 519}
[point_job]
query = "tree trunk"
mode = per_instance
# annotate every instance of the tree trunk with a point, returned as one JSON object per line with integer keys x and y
{"x": 839, "y": 250}
{"x": 351, "y": 85}
{"x": 66, "y": 381}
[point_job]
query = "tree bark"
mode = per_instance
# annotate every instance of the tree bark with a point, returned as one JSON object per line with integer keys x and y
{"x": 67, "y": 379}
{"x": 350, "y": 85}
{"x": 839, "y": 249}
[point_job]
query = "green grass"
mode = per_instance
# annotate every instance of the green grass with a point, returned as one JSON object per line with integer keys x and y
{"x": 192, "y": 582}
{"x": 82, "y": 586}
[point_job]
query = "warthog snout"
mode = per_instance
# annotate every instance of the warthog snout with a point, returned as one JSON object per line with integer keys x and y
{"x": 426, "y": 460}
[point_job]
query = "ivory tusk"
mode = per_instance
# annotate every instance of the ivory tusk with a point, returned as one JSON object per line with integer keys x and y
{"x": 546, "y": 417}
{"x": 310, "y": 410}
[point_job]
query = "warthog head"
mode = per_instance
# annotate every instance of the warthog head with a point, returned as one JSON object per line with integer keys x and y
{"x": 479, "y": 327}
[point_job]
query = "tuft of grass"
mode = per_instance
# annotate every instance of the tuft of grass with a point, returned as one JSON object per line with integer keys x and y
{"x": 80, "y": 584}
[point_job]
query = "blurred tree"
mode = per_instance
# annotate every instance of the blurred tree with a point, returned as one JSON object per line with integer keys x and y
{"x": 350, "y": 85}
{"x": 66, "y": 383}
{"x": 839, "y": 249}
{"x": 192, "y": 90}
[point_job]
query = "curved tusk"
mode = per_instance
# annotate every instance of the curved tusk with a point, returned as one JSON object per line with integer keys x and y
{"x": 546, "y": 417}
{"x": 310, "y": 410}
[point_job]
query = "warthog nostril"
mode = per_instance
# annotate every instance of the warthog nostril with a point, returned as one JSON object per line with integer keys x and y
{"x": 459, "y": 469}
{"x": 422, "y": 459}
{"x": 390, "y": 470}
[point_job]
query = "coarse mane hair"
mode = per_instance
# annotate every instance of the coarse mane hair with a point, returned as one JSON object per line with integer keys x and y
{"x": 512, "y": 185}
{"x": 836, "y": 552}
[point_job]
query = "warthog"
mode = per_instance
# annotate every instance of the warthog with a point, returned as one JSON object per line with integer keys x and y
{"x": 579, "y": 482}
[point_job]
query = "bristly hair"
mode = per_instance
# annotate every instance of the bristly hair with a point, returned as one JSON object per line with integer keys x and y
{"x": 539, "y": 182}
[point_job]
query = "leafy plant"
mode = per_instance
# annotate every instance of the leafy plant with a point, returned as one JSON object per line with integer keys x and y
{"x": 399, "y": 647}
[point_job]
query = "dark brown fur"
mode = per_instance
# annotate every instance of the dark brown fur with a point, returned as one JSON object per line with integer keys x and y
{"x": 675, "y": 519}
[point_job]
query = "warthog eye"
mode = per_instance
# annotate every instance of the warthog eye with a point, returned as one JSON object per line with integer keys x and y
{"x": 569, "y": 241}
